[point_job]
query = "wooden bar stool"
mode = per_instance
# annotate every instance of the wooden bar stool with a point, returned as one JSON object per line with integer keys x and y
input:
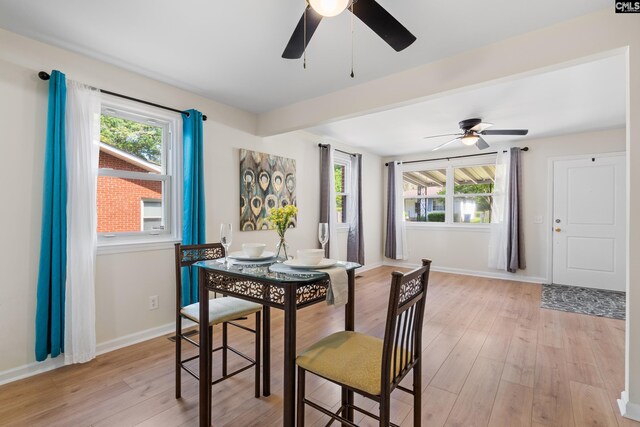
{"x": 221, "y": 311}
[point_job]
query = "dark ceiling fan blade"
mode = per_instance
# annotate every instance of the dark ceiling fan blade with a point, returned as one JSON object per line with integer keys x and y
{"x": 383, "y": 24}
{"x": 296, "y": 45}
{"x": 505, "y": 132}
{"x": 446, "y": 143}
{"x": 446, "y": 134}
{"x": 481, "y": 144}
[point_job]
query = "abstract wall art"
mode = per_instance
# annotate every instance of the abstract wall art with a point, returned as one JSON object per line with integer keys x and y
{"x": 266, "y": 182}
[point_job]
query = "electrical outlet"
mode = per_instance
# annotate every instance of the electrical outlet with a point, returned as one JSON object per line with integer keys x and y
{"x": 153, "y": 302}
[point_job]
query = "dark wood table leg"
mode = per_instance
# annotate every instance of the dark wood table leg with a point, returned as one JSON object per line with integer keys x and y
{"x": 205, "y": 353}
{"x": 266, "y": 351}
{"x": 349, "y": 325}
{"x": 289, "y": 386}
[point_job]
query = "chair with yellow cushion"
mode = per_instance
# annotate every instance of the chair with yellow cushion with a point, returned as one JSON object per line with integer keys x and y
{"x": 370, "y": 366}
{"x": 221, "y": 311}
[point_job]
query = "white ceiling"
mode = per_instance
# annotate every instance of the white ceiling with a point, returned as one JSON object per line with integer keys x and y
{"x": 230, "y": 51}
{"x": 580, "y": 98}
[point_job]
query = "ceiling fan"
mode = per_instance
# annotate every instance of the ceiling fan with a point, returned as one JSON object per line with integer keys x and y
{"x": 368, "y": 11}
{"x": 472, "y": 132}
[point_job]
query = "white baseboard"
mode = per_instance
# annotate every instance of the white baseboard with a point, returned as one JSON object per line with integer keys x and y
{"x": 135, "y": 338}
{"x": 465, "y": 272}
{"x": 30, "y": 369}
{"x": 36, "y": 368}
{"x": 368, "y": 267}
{"x": 628, "y": 409}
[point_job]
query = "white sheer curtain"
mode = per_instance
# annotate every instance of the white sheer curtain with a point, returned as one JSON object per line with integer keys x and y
{"x": 499, "y": 236}
{"x": 82, "y": 145}
{"x": 355, "y": 239}
{"x": 334, "y": 247}
{"x": 402, "y": 251}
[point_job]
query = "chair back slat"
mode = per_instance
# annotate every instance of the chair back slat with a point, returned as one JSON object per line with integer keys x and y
{"x": 187, "y": 255}
{"x": 190, "y": 254}
{"x": 403, "y": 331}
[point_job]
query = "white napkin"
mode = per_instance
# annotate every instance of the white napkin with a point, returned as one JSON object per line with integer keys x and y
{"x": 338, "y": 291}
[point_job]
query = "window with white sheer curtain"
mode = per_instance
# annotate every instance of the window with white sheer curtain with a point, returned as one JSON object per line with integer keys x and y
{"x": 343, "y": 183}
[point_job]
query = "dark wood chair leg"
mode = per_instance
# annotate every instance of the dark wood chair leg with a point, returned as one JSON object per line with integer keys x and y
{"x": 300, "y": 409}
{"x": 178, "y": 356}
{"x": 211, "y": 359}
{"x": 266, "y": 350}
{"x": 257, "y": 356}
{"x": 224, "y": 348}
{"x": 417, "y": 393}
{"x": 385, "y": 411}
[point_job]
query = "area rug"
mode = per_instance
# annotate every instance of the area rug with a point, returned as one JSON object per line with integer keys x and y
{"x": 596, "y": 302}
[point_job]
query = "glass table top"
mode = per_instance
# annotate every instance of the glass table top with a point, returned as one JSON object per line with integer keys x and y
{"x": 271, "y": 271}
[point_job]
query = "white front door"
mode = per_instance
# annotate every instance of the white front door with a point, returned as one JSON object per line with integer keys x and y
{"x": 588, "y": 222}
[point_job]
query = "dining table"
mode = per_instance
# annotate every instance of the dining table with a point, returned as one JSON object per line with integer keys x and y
{"x": 281, "y": 288}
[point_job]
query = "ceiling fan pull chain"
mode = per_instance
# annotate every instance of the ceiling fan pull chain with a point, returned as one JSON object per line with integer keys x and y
{"x": 352, "y": 35}
{"x": 304, "y": 41}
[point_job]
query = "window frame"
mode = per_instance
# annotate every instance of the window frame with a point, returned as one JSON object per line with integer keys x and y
{"x": 170, "y": 176}
{"x": 449, "y": 166}
{"x": 344, "y": 160}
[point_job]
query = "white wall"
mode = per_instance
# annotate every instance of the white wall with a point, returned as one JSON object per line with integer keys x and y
{"x": 124, "y": 281}
{"x": 464, "y": 249}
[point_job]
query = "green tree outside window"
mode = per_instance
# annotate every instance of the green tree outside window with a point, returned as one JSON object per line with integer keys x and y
{"x": 138, "y": 139}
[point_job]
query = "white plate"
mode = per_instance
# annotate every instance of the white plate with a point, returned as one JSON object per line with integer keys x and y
{"x": 325, "y": 263}
{"x": 245, "y": 263}
{"x": 239, "y": 255}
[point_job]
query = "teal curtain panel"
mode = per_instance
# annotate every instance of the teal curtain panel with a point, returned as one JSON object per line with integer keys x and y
{"x": 194, "y": 216}
{"x": 53, "y": 244}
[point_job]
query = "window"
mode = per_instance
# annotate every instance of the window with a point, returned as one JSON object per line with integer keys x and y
{"x": 424, "y": 195}
{"x": 473, "y": 194}
{"x": 342, "y": 174}
{"x": 451, "y": 193}
{"x": 138, "y": 187}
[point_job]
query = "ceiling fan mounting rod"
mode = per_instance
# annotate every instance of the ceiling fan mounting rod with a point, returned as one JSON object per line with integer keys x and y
{"x": 349, "y": 4}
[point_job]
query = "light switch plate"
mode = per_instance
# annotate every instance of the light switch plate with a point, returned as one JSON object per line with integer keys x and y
{"x": 537, "y": 219}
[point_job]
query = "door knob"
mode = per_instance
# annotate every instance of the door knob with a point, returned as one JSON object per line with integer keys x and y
{"x": 558, "y": 230}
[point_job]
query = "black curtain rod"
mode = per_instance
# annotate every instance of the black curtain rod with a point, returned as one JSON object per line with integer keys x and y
{"x": 340, "y": 151}
{"x": 45, "y": 76}
{"x": 457, "y": 157}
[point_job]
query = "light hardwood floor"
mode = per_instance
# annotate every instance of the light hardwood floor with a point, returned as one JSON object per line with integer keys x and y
{"x": 492, "y": 357}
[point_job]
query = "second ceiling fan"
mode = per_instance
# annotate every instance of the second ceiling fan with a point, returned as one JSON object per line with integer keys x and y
{"x": 368, "y": 11}
{"x": 472, "y": 131}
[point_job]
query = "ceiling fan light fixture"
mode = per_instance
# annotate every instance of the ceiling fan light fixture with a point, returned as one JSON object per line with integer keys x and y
{"x": 469, "y": 139}
{"x": 328, "y": 8}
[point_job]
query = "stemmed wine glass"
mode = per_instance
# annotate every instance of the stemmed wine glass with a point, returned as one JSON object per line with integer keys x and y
{"x": 323, "y": 234}
{"x": 226, "y": 235}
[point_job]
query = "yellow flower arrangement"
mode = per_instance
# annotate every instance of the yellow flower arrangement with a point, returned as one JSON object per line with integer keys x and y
{"x": 280, "y": 218}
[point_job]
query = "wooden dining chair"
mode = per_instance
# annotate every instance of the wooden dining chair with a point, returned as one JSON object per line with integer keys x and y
{"x": 221, "y": 311}
{"x": 370, "y": 366}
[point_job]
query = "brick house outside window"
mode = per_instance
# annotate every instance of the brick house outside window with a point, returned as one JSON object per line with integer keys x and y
{"x": 126, "y": 205}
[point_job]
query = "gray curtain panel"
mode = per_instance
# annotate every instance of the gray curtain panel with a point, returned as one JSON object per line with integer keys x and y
{"x": 326, "y": 169}
{"x": 515, "y": 238}
{"x": 390, "y": 248}
{"x": 355, "y": 241}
